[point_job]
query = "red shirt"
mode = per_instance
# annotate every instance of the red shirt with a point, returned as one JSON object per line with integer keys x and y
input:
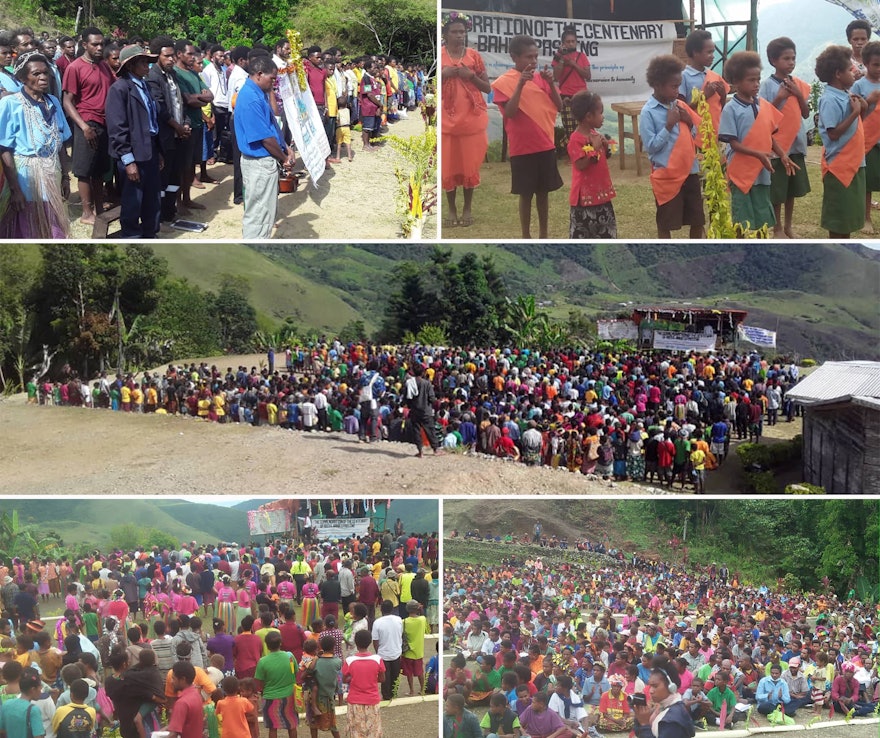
{"x": 590, "y": 186}
{"x": 316, "y": 79}
{"x": 570, "y": 82}
{"x": 665, "y": 453}
{"x": 369, "y": 85}
{"x": 292, "y": 638}
{"x": 187, "y": 717}
{"x": 89, "y": 83}
{"x": 524, "y": 136}
{"x": 246, "y": 652}
{"x": 364, "y": 669}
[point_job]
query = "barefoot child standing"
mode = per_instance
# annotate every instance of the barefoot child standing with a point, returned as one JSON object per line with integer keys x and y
{"x": 789, "y": 95}
{"x": 530, "y": 102}
{"x": 868, "y": 87}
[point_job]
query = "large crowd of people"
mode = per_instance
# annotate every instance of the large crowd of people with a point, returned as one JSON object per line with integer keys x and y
{"x": 606, "y": 641}
{"x": 755, "y": 111}
{"x": 139, "y": 122}
{"x": 284, "y": 629}
{"x": 659, "y": 417}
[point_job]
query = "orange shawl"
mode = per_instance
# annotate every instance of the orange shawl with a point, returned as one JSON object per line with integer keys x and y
{"x": 533, "y": 101}
{"x": 742, "y": 169}
{"x": 667, "y": 181}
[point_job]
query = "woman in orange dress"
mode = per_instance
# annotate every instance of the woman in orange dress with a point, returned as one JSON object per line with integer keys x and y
{"x": 465, "y": 121}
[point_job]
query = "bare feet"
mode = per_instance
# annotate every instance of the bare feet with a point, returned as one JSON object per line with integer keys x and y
{"x": 88, "y": 218}
{"x": 790, "y": 233}
{"x": 779, "y": 232}
{"x": 868, "y": 227}
{"x": 331, "y": 160}
{"x": 193, "y": 205}
{"x": 197, "y": 184}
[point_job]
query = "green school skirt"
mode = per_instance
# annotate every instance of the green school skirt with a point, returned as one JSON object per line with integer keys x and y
{"x": 872, "y": 170}
{"x": 753, "y": 208}
{"x": 843, "y": 208}
{"x": 783, "y": 186}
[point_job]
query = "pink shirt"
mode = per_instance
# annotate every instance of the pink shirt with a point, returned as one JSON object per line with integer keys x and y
{"x": 364, "y": 670}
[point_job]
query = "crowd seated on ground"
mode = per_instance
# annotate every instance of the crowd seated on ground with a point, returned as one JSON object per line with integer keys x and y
{"x": 589, "y": 632}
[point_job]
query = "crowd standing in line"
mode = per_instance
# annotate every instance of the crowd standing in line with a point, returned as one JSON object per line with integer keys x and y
{"x": 144, "y": 120}
{"x": 758, "y": 125}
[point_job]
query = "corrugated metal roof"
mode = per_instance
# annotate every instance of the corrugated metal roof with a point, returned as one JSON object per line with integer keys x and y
{"x": 839, "y": 380}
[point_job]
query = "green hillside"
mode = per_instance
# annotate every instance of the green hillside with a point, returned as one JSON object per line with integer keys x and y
{"x": 823, "y": 297}
{"x": 90, "y": 520}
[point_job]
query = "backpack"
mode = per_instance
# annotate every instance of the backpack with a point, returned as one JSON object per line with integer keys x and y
{"x": 377, "y": 381}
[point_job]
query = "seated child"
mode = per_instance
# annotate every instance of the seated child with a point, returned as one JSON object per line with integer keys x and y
{"x": 843, "y": 136}
{"x": 748, "y": 125}
{"x": 667, "y": 130}
{"x": 530, "y": 102}
{"x": 500, "y": 720}
{"x": 817, "y": 689}
{"x": 789, "y": 95}
{"x": 592, "y": 214}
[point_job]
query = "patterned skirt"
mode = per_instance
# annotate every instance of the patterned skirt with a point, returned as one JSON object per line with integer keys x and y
{"x": 309, "y": 612}
{"x": 592, "y": 221}
{"x": 364, "y": 721}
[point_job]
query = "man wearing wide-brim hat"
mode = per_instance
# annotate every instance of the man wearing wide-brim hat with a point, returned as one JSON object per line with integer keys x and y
{"x": 133, "y": 130}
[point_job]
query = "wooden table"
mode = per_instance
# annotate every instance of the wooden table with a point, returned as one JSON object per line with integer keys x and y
{"x": 631, "y": 109}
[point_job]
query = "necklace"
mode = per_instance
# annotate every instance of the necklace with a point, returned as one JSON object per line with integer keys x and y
{"x": 460, "y": 56}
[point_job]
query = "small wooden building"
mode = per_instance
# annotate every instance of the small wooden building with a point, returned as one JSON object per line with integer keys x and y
{"x": 841, "y": 401}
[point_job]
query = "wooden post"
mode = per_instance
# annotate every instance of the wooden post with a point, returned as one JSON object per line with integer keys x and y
{"x": 569, "y": 8}
{"x": 752, "y": 44}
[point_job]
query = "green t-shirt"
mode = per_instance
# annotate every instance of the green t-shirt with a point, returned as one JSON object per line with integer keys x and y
{"x": 91, "y": 622}
{"x": 500, "y": 723}
{"x": 415, "y": 629}
{"x": 326, "y": 671}
{"x": 191, "y": 84}
{"x": 31, "y": 390}
{"x": 487, "y": 682}
{"x": 717, "y": 699}
{"x": 277, "y": 672}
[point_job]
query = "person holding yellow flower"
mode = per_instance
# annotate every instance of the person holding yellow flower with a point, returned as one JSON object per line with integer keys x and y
{"x": 592, "y": 214}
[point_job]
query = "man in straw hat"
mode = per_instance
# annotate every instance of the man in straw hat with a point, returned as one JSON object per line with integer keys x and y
{"x": 133, "y": 130}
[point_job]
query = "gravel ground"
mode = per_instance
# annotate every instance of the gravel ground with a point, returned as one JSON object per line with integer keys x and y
{"x": 76, "y": 451}
{"x": 310, "y": 212}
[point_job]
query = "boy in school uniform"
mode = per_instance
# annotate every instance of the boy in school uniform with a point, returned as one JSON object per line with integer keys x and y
{"x": 530, "y": 102}
{"x": 700, "y": 49}
{"x": 789, "y": 95}
{"x": 668, "y": 133}
{"x": 843, "y": 137}
{"x": 868, "y": 87}
{"x": 747, "y": 126}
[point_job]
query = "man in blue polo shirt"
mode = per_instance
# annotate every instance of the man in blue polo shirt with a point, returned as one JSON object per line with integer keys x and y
{"x": 262, "y": 148}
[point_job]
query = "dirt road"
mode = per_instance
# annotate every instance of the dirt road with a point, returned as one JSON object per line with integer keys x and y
{"x": 351, "y": 200}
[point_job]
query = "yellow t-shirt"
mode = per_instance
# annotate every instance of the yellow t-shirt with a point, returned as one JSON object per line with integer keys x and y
{"x": 125, "y": 393}
{"x": 698, "y": 459}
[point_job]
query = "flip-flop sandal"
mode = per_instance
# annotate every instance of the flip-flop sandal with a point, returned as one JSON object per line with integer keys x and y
{"x": 875, "y": 205}
{"x": 466, "y": 222}
{"x": 450, "y": 223}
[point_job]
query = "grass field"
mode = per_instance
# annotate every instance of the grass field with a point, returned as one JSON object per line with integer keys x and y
{"x": 495, "y": 209}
